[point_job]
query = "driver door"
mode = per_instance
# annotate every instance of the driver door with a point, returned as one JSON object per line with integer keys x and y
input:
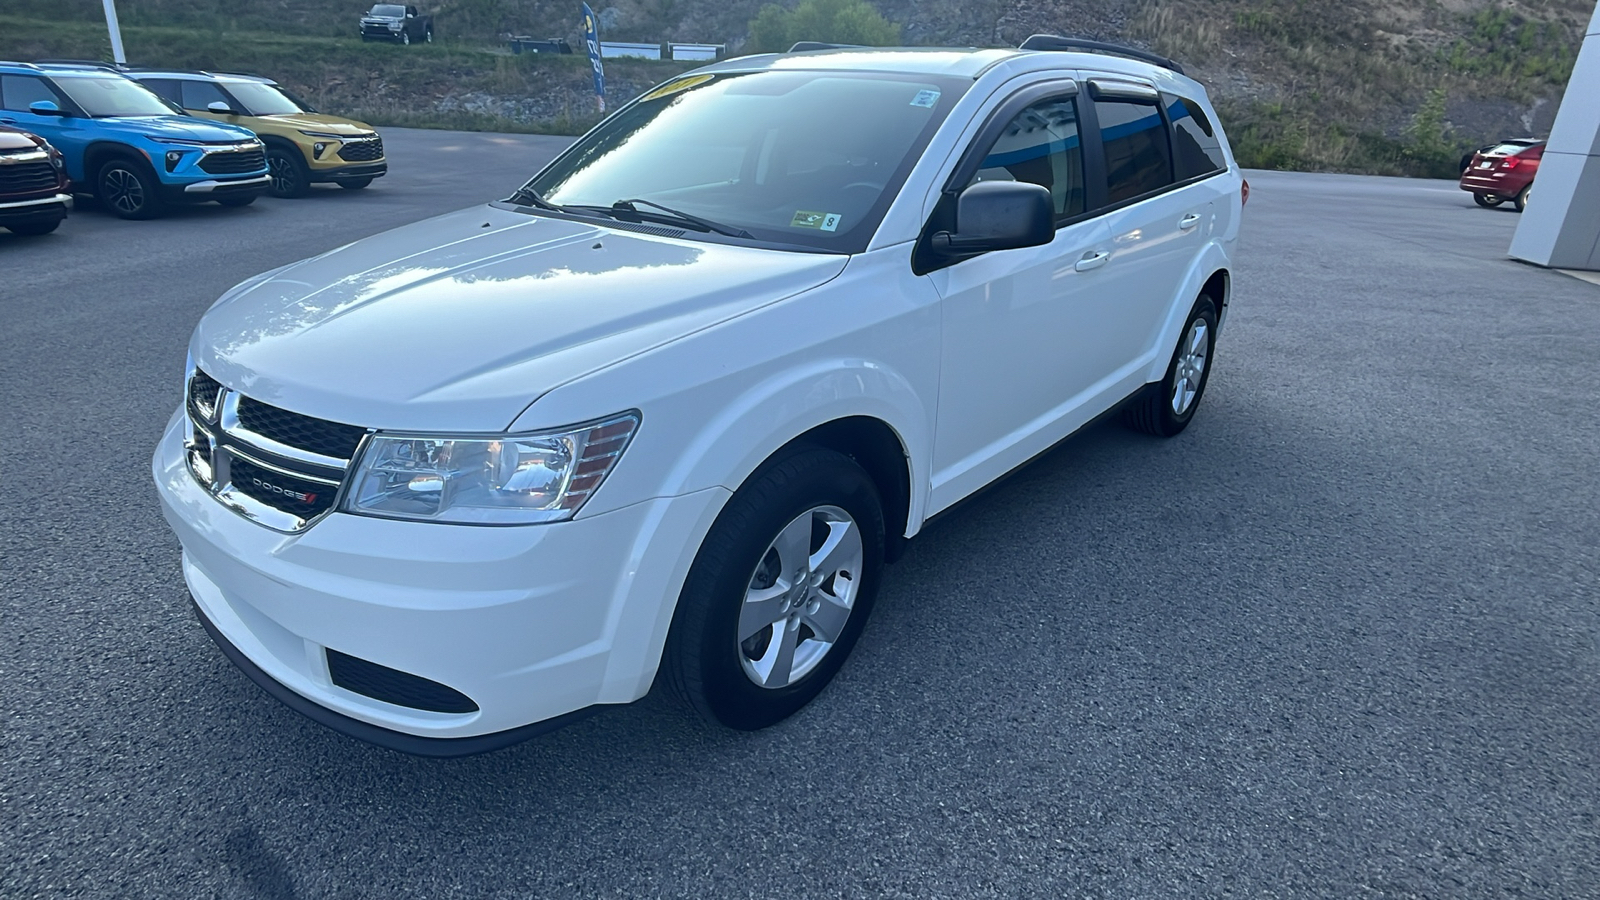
{"x": 1008, "y": 383}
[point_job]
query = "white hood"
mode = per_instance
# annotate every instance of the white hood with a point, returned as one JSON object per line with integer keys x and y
{"x": 459, "y": 322}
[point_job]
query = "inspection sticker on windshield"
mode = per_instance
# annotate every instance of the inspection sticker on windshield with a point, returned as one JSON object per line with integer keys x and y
{"x": 925, "y": 99}
{"x": 805, "y": 218}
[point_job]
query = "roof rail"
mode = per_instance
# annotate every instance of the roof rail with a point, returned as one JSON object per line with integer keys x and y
{"x": 1056, "y": 42}
{"x": 82, "y": 64}
{"x": 803, "y": 46}
{"x": 8, "y": 62}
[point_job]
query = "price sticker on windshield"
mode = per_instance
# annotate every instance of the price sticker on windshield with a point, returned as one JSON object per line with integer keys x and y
{"x": 819, "y": 221}
{"x": 925, "y": 99}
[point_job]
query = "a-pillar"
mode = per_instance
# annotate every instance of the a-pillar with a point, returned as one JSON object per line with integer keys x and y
{"x": 1561, "y": 226}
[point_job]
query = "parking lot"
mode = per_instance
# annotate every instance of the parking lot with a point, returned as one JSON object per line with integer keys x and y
{"x": 1338, "y": 639}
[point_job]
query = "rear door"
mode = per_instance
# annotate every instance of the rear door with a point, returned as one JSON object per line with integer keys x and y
{"x": 1158, "y": 223}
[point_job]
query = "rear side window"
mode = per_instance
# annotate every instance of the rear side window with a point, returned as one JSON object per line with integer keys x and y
{"x": 1138, "y": 154}
{"x": 17, "y": 92}
{"x": 165, "y": 88}
{"x": 201, "y": 94}
{"x": 1041, "y": 146}
{"x": 1196, "y": 148}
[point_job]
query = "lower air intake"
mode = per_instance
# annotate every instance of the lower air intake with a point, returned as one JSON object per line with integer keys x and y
{"x": 394, "y": 686}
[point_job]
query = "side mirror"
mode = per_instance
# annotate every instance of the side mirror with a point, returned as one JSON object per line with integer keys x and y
{"x": 45, "y": 108}
{"x": 1000, "y": 215}
{"x": 217, "y": 106}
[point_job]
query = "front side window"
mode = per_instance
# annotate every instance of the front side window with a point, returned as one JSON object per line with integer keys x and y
{"x": 111, "y": 96}
{"x": 792, "y": 157}
{"x": 165, "y": 88}
{"x": 1138, "y": 154}
{"x": 1041, "y": 146}
{"x": 263, "y": 99}
{"x": 18, "y": 92}
{"x": 1196, "y": 148}
{"x": 199, "y": 95}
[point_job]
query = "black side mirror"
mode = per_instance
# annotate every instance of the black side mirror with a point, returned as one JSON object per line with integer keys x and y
{"x": 1000, "y": 215}
{"x": 45, "y": 108}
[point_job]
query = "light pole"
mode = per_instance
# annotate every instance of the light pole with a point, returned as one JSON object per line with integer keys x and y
{"x": 116, "y": 32}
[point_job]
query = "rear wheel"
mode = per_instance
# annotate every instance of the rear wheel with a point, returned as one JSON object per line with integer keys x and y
{"x": 1522, "y": 197}
{"x": 290, "y": 175}
{"x": 428, "y": 36}
{"x": 1488, "y": 201}
{"x": 779, "y": 591}
{"x": 34, "y": 228}
{"x": 129, "y": 189}
{"x": 1168, "y": 406}
{"x": 355, "y": 184}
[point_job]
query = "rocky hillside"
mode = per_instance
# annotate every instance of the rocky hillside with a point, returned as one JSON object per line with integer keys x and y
{"x": 1360, "y": 85}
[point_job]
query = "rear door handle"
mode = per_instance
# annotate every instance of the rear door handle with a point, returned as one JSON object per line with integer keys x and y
{"x": 1092, "y": 260}
{"x": 1189, "y": 221}
{"x": 8, "y": 121}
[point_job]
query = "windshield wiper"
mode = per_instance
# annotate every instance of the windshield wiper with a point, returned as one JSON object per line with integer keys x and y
{"x": 527, "y": 196}
{"x": 671, "y": 214}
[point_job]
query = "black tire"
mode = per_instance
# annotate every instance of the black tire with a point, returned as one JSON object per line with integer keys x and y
{"x": 705, "y": 662}
{"x": 1154, "y": 412}
{"x": 129, "y": 189}
{"x": 1521, "y": 202}
{"x": 34, "y": 229}
{"x": 427, "y": 36}
{"x": 235, "y": 201}
{"x": 1488, "y": 201}
{"x": 291, "y": 177}
{"x": 405, "y": 38}
{"x": 355, "y": 184}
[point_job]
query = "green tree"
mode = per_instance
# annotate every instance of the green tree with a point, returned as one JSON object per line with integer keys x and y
{"x": 776, "y": 29}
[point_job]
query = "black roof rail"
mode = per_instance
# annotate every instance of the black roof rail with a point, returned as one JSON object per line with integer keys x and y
{"x": 803, "y": 46}
{"x": 1056, "y": 42}
{"x": 83, "y": 63}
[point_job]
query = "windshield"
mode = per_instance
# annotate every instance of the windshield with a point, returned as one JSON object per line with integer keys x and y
{"x": 262, "y": 99}
{"x": 113, "y": 96}
{"x": 388, "y": 11}
{"x": 802, "y": 158}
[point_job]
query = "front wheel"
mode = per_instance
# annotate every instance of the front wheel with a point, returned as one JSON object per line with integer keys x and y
{"x": 779, "y": 592}
{"x": 1488, "y": 201}
{"x": 405, "y": 38}
{"x": 1167, "y": 407}
{"x": 290, "y": 175}
{"x": 355, "y": 184}
{"x": 129, "y": 189}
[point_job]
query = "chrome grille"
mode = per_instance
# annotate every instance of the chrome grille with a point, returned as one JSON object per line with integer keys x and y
{"x": 363, "y": 149}
{"x": 276, "y": 467}
{"x": 28, "y": 177}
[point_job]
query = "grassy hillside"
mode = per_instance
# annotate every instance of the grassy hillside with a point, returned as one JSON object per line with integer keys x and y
{"x": 1361, "y": 85}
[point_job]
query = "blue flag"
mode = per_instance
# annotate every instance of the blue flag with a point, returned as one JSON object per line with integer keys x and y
{"x": 591, "y": 37}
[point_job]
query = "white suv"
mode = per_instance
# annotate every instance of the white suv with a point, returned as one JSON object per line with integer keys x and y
{"x": 671, "y": 407}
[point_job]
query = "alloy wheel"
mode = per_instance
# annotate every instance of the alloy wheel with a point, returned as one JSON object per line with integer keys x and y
{"x": 1191, "y": 368}
{"x": 800, "y": 597}
{"x": 284, "y": 177}
{"x": 123, "y": 191}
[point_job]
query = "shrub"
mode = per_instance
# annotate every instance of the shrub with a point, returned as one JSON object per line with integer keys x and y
{"x": 777, "y": 29}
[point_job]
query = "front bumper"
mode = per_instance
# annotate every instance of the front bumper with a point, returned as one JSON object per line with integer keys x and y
{"x": 349, "y": 172}
{"x": 39, "y": 209}
{"x": 215, "y": 188}
{"x": 532, "y": 623}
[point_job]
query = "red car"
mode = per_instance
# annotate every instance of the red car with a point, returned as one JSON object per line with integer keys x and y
{"x": 1503, "y": 172}
{"x": 34, "y": 194}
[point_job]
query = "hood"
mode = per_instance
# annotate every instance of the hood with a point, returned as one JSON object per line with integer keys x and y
{"x": 458, "y": 323}
{"x": 11, "y": 139}
{"x": 320, "y": 122}
{"x": 185, "y": 128}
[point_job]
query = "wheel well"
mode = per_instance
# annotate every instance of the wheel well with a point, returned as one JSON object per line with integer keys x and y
{"x": 97, "y": 155}
{"x": 877, "y": 449}
{"x": 1217, "y": 287}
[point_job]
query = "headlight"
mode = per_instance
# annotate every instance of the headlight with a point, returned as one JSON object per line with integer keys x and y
{"x": 514, "y": 479}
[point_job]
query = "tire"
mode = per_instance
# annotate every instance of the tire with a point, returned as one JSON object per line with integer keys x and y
{"x": 238, "y": 201}
{"x": 427, "y": 36}
{"x": 816, "y": 495}
{"x": 1166, "y": 408}
{"x": 405, "y": 38}
{"x": 291, "y": 177}
{"x": 355, "y": 184}
{"x": 129, "y": 189}
{"x": 34, "y": 229}
{"x": 1521, "y": 202}
{"x": 1488, "y": 201}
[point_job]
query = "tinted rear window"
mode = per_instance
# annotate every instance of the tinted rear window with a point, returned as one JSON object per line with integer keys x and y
{"x": 1196, "y": 148}
{"x": 1508, "y": 149}
{"x": 1138, "y": 155}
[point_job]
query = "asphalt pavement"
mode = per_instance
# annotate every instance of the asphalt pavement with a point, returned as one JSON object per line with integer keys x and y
{"x": 1339, "y": 639}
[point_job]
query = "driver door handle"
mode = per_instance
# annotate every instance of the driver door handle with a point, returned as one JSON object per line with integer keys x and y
{"x": 1189, "y": 221}
{"x": 1092, "y": 260}
{"x": 4, "y": 121}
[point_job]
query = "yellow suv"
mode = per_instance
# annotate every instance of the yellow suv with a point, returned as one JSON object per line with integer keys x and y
{"x": 304, "y": 147}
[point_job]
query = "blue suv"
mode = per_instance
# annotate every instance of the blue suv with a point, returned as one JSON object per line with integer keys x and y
{"x": 127, "y": 146}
